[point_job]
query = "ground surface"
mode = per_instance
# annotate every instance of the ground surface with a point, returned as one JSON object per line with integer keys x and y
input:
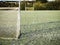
{"x": 38, "y": 28}
{"x": 8, "y": 23}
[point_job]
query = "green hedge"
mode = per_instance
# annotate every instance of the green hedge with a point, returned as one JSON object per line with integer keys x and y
{"x": 39, "y": 6}
{"x": 47, "y": 6}
{"x": 53, "y": 5}
{"x": 9, "y": 4}
{"x": 22, "y": 6}
{"x": 43, "y": 6}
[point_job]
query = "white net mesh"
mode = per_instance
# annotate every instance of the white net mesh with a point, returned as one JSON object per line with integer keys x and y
{"x": 8, "y": 23}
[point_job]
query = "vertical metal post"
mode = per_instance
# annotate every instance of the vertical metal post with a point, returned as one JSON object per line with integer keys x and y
{"x": 18, "y": 22}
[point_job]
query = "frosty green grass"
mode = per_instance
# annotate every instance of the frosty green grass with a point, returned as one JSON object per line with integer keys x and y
{"x": 40, "y": 27}
{"x": 8, "y": 23}
{"x": 35, "y": 24}
{"x": 33, "y": 17}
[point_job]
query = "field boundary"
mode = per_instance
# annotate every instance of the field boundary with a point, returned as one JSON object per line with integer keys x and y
{"x": 9, "y": 8}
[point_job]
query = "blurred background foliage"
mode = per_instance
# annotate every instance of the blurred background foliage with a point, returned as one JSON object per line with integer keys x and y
{"x": 43, "y": 1}
{"x": 37, "y": 5}
{"x": 53, "y": 5}
{"x": 9, "y": 4}
{"x": 43, "y": 5}
{"x": 22, "y": 5}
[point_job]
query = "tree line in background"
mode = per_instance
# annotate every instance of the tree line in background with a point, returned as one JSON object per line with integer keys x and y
{"x": 9, "y": 4}
{"x": 38, "y": 5}
{"x": 42, "y": 5}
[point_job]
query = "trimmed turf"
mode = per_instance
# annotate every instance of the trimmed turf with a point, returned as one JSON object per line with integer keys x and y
{"x": 38, "y": 28}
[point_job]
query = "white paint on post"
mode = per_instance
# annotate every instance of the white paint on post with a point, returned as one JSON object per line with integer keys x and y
{"x": 18, "y": 22}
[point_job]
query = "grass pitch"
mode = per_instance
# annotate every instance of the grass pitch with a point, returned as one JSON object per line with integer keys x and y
{"x": 38, "y": 28}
